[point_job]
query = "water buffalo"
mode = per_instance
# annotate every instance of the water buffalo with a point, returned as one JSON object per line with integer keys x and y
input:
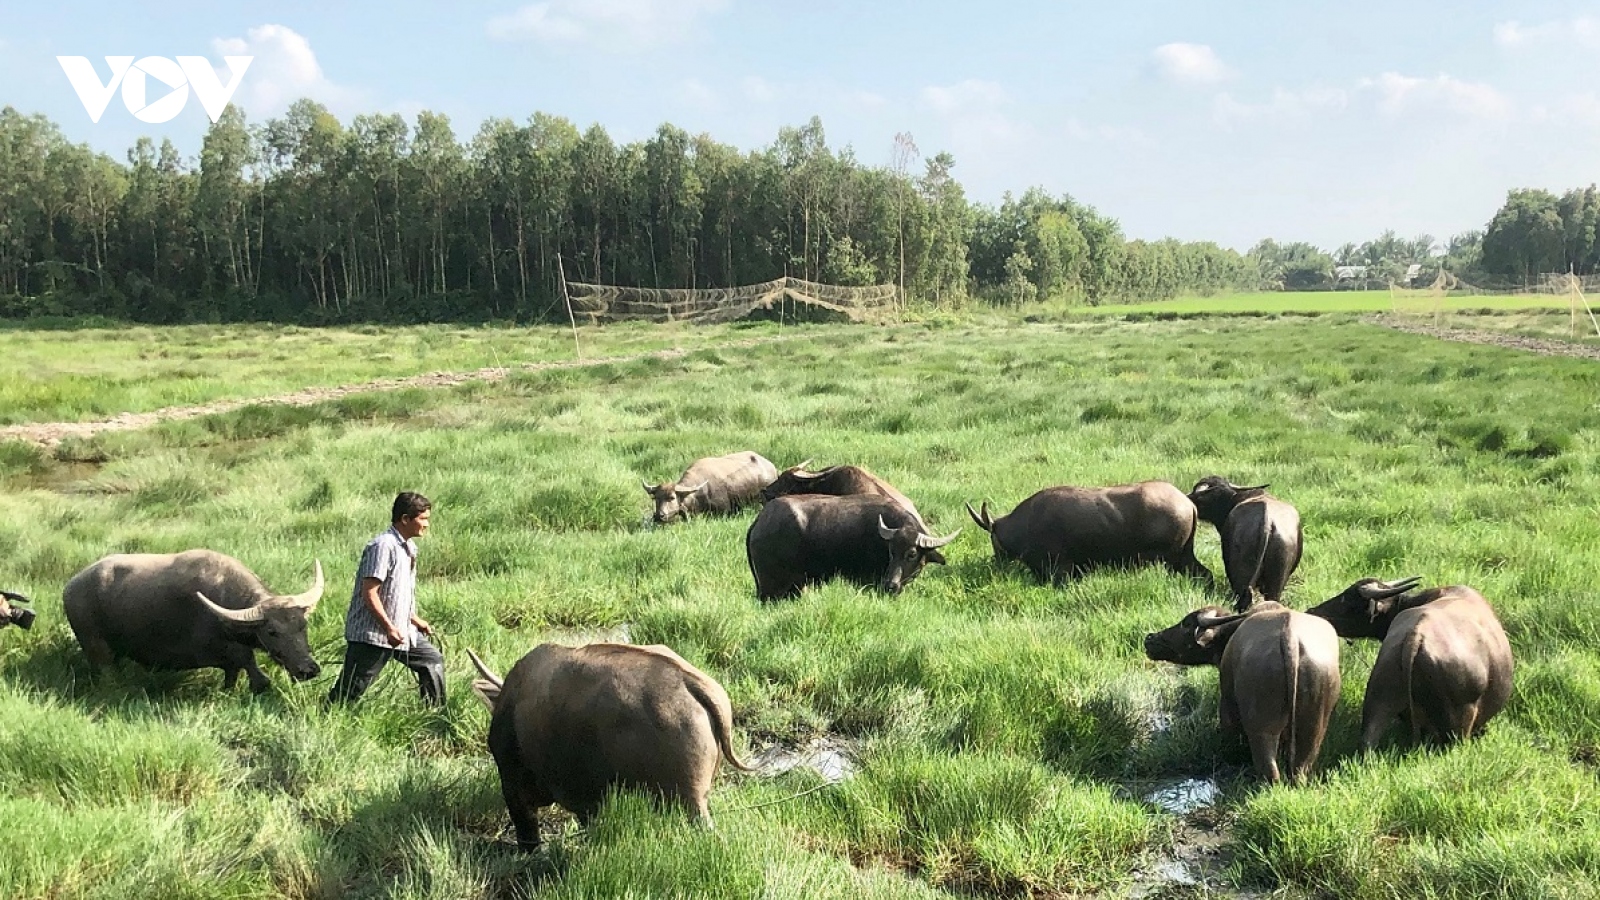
{"x": 714, "y": 484}
{"x": 1445, "y": 662}
{"x": 809, "y": 538}
{"x": 1279, "y": 676}
{"x": 15, "y": 615}
{"x": 840, "y": 481}
{"x": 568, "y": 723}
{"x": 1062, "y": 532}
{"x": 192, "y": 610}
{"x": 1261, "y": 537}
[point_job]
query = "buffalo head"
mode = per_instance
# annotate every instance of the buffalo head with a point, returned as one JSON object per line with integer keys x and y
{"x": 276, "y": 625}
{"x": 910, "y": 548}
{"x": 1214, "y": 497}
{"x": 671, "y": 500}
{"x": 792, "y": 480}
{"x": 14, "y": 615}
{"x": 1365, "y": 608}
{"x": 1198, "y": 640}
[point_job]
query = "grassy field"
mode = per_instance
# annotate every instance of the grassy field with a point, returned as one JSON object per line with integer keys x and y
{"x": 1318, "y": 302}
{"x": 93, "y": 373}
{"x": 1004, "y": 730}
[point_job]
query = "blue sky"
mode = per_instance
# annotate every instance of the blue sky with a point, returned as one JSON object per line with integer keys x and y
{"x": 1231, "y": 123}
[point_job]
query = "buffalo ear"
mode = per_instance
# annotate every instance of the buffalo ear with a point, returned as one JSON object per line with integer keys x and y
{"x": 487, "y": 691}
{"x": 1203, "y": 637}
{"x": 934, "y": 556}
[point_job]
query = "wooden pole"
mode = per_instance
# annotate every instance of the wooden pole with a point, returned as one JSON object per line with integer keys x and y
{"x": 561, "y": 272}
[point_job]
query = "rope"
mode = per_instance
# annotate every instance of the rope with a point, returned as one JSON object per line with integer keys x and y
{"x": 811, "y": 790}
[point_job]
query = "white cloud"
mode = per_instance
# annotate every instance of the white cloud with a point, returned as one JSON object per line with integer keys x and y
{"x": 605, "y": 24}
{"x": 1399, "y": 94}
{"x": 1190, "y": 63}
{"x": 1580, "y": 111}
{"x": 967, "y": 96}
{"x": 1110, "y": 134}
{"x": 868, "y": 100}
{"x": 974, "y": 121}
{"x": 1284, "y": 103}
{"x": 284, "y": 70}
{"x": 759, "y": 89}
{"x": 1583, "y": 31}
{"x": 698, "y": 93}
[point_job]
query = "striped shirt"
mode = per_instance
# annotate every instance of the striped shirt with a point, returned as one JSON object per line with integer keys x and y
{"x": 391, "y": 559}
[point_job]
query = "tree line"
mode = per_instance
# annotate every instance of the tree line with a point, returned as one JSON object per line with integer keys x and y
{"x": 306, "y": 218}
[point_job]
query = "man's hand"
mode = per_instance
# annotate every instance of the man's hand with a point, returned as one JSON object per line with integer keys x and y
{"x": 422, "y": 625}
{"x": 396, "y": 636}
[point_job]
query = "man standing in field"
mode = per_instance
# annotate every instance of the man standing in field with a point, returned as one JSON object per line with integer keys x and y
{"x": 382, "y": 623}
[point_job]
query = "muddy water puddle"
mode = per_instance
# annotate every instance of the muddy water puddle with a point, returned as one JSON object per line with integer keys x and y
{"x": 830, "y": 756}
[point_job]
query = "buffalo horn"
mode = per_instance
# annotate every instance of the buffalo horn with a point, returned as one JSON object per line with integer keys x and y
{"x": 884, "y": 531}
{"x": 242, "y": 616}
{"x": 1206, "y": 620}
{"x": 484, "y": 670}
{"x": 983, "y": 520}
{"x": 1254, "y": 487}
{"x": 929, "y": 542}
{"x": 1378, "y": 590}
{"x": 14, "y": 597}
{"x": 648, "y": 487}
{"x": 308, "y": 600}
{"x": 804, "y": 476}
{"x": 687, "y": 491}
{"x": 803, "y": 464}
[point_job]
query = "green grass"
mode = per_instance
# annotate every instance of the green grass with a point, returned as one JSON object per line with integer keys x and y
{"x": 94, "y": 373}
{"x": 1282, "y": 302}
{"x": 1001, "y": 724}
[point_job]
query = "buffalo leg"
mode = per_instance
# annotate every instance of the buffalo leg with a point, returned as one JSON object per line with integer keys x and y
{"x": 1184, "y": 563}
{"x": 522, "y": 798}
{"x": 522, "y": 803}
{"x": 1264, "y": 753}
{"x": 258, "y": 679}
{"x": 99, "y": 654}
{"x": 1377, "y": 714}
{"x": 230, "y": 677}
{"x": 1310, "y": 726}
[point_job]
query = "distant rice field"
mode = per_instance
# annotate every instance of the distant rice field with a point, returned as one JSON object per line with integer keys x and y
{"x": 1323, "y": 302}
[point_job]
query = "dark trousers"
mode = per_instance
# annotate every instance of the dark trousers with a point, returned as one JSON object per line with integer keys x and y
{"x": 363, "y": 662}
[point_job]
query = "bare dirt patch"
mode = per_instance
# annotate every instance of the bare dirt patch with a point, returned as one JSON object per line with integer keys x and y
{"x": 1471, "y": 336}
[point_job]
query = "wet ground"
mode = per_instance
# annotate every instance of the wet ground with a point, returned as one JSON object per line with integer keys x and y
{"x": 828, "y": 755}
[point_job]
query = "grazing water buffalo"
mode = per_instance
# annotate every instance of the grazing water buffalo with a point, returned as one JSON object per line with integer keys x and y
{"x": 840, "y": 481}
{"x": 714, "y": 484}
{"x": 1261, "y": 537}
{"x": 1279, "y": 676}
{"x": 809, "y": 538}
{"x": 568, "y": 723}
{"x": 14, "y": 615}
{"x": 1445, "y": 663}
{"x": 192, "y": 610}
{"x": 1062, "y": 532}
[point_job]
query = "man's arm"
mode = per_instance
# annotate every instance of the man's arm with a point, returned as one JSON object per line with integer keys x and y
{"x": 369, "y": 594}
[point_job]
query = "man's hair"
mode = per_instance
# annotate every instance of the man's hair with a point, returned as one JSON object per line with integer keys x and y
{"x": 409, "y": 503}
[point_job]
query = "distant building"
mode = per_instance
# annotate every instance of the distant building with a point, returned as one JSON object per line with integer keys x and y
{"x": 1412, "y": 271}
